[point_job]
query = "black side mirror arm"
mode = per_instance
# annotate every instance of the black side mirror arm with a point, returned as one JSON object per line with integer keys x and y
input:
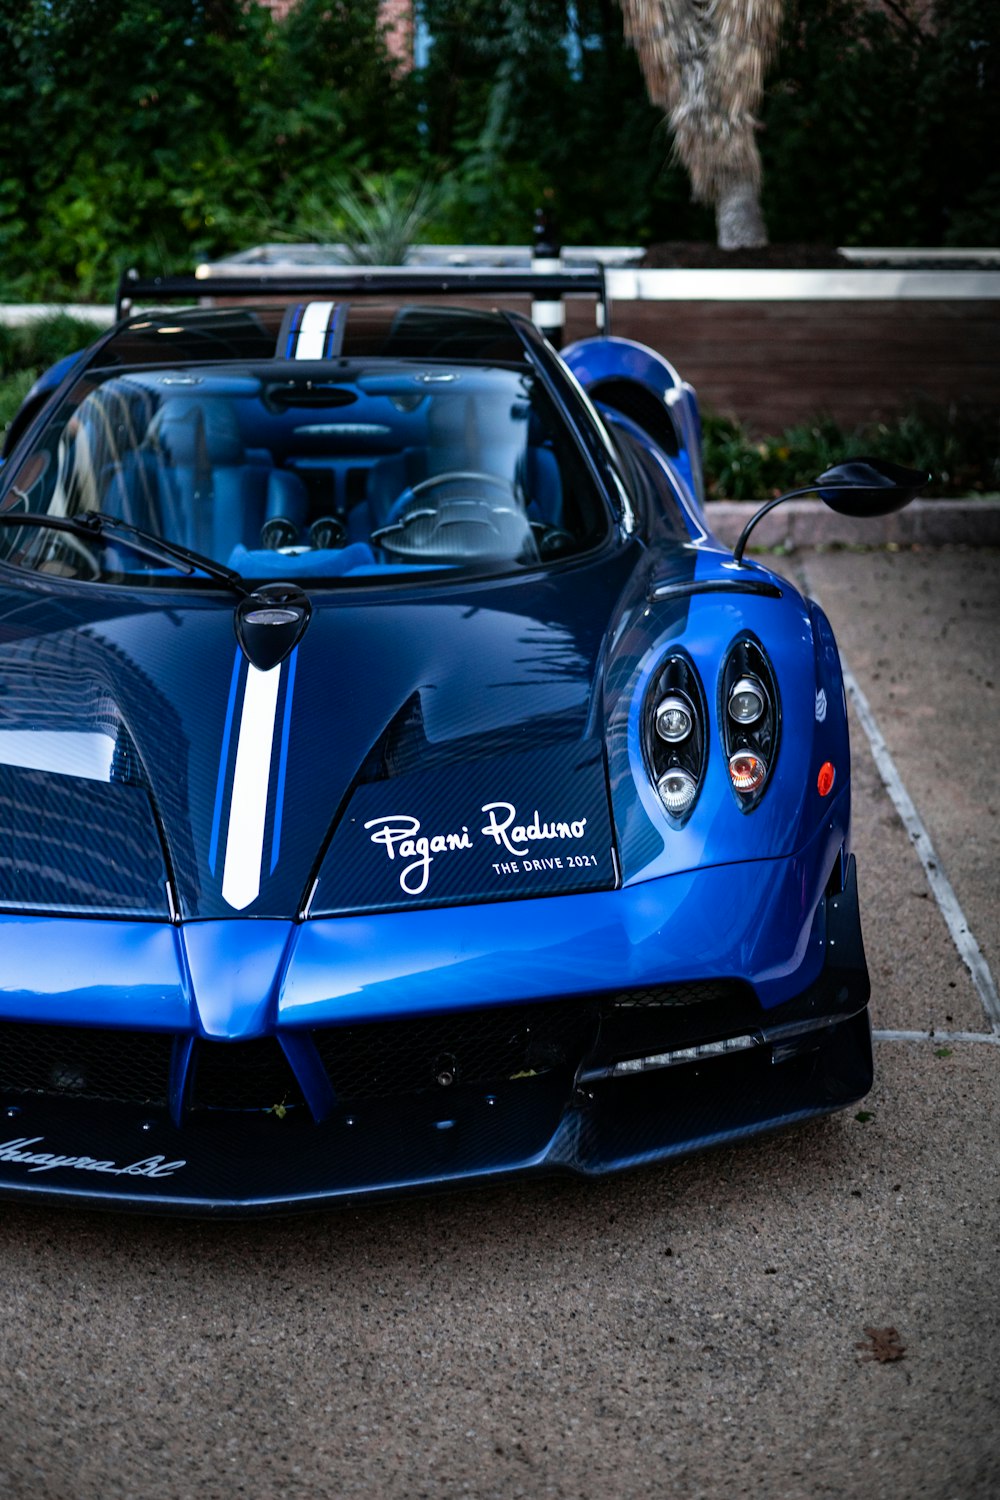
{"x": 758, "y": 515}
{"x": 856, "y": 487}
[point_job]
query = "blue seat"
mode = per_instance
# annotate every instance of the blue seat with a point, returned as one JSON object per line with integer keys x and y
{"x": 542, "y": 483}
{"x": 193, "y": 465}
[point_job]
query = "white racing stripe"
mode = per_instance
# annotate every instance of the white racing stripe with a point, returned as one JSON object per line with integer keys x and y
{"x": 251, "y": 780}
{"x": 941, "y": 887}
{"x": 312, "y": 333}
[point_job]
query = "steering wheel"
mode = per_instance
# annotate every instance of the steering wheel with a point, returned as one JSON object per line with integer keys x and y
{"x": 553, "y": 541}
{"x": 412, "y": 528}
{"x": 419, "y": 492}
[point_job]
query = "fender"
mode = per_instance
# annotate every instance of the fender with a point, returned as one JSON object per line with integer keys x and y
{"x": 643, "y": 385}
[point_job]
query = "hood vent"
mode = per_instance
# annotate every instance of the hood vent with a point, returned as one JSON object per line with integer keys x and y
{"x": 404, "y": 748}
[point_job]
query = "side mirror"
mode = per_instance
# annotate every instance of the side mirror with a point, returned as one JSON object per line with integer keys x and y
{"x": 857, "y": 487}
{"x": 869, "y": 487}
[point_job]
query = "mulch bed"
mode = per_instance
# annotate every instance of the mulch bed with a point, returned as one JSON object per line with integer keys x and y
{"x": 694, "y": 255}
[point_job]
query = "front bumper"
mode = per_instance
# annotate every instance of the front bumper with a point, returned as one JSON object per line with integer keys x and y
{"x": 589, "y": 1083}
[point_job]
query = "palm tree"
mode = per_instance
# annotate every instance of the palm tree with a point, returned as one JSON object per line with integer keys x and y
{"x": 704, "y": 63}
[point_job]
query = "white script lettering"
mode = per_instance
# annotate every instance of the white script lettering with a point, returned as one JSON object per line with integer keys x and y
{"x": 518, "y": 834}
{"x": 400, "y": 836}
{"x": 400, "y": 832}
{"x": 48, "y": 1161}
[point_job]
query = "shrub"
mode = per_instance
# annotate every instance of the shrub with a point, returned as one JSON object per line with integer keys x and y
{"x": 959, "y": 445}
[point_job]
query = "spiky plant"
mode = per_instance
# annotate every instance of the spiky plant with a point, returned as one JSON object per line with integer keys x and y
{"x": 704, "y": 62}
{"x": 382, "y": 220}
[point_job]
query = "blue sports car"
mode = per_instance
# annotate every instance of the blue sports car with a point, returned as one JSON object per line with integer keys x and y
{"x": 399, "y": 785}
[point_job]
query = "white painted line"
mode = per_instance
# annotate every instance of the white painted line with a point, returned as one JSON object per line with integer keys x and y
{"x": 991, "y": 1038}
{"x": 312, "y": 334}
{"x": 248, "y": 807}
{"x": 941, "y": 887}
{"x": 18, "y": 314}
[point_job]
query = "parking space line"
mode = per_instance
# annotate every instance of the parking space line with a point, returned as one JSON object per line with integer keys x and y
{"x": 992, "y": 1038}
{"x": 941, "y": 887}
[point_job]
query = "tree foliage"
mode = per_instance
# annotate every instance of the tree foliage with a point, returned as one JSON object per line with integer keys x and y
{"x": 881, "y": 124}
{"x": 160, "y": 132}
{"x": 163, "y": 131}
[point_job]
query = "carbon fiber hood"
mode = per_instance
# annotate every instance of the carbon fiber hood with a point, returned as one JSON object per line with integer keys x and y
{"x": 417, "y": 747}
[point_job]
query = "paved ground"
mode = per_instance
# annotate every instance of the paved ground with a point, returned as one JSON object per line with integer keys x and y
{"x": 686, "y": 1332}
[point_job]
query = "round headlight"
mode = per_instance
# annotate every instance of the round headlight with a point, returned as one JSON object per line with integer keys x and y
{"x": 673, "y": 719}
{"x": 677, "y": 790}
{"x": 747, "y": 701}
{"x": 747, "y": 770}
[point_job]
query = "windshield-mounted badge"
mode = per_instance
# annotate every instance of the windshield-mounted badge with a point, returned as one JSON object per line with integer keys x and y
{"x": 47, "y": 1161}
{"x": 270, "y": 622}
{"x": 400, "y": 837}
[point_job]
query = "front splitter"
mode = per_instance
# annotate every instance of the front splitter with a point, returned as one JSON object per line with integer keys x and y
{"x": 250, "y": 1165}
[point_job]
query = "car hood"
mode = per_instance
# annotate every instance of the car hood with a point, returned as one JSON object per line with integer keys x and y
{"x": 418, "y": 747}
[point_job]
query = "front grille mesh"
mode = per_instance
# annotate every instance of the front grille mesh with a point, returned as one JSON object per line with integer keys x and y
{"x": 483, "y": 1049}
{"x": 73, "y": 1062}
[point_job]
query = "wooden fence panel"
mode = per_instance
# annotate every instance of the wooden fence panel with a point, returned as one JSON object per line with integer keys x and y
{"x": 773, "y": 364}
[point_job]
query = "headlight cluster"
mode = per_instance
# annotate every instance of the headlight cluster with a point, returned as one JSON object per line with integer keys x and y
{"x": 748, "y": 714}
{"x": 676, "y": 728}
{"x": 675, "y": 740}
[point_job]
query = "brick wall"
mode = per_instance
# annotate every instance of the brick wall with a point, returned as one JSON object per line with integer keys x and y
{"x": 396, "y": 17}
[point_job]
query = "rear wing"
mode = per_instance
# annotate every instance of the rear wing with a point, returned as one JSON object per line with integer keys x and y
{"x": 356, "y": 281}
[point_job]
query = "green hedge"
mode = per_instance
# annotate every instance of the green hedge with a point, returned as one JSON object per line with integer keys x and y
{"x": 28, "y": 350}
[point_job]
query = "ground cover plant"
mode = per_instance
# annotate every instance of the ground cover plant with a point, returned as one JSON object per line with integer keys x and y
{"x": 958, "y": 444}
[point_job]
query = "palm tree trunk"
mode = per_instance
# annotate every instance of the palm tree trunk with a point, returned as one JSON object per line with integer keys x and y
{"x": 739, "y": 221}
{"x": 703, "y": 62}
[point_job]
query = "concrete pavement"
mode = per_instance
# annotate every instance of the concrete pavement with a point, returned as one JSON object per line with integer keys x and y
{"x": 690, "y": 1331}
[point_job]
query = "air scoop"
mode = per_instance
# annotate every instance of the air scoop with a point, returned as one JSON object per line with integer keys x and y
{"x": 270, "y": 622}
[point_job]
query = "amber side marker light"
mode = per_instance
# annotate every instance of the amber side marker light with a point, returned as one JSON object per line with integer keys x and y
{"x": 824, "y": 781}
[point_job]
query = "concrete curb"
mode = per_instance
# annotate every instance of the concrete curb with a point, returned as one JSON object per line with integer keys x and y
{"x": 809, "y": 523}
{"x": 19, "y": 314}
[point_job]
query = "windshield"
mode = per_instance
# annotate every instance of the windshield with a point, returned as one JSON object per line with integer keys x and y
{"x": 309, "y": 473}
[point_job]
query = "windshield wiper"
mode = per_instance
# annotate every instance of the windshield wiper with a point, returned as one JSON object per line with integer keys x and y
{"x": 90, "y": 524}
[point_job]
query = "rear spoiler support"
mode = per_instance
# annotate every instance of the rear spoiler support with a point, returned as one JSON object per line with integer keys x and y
{"x": 355, "y": 281}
